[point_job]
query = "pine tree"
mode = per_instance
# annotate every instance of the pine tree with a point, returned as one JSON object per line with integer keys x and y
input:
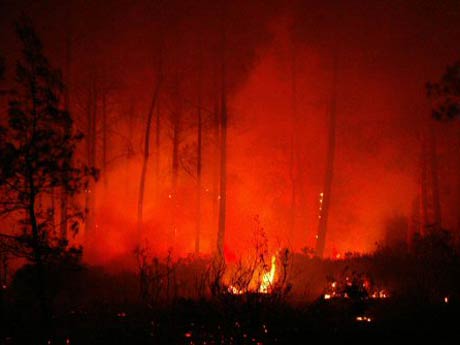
{"x": 37, "y": 158}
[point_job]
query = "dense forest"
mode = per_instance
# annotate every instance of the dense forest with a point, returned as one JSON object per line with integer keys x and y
{"x": 228, "y": 171}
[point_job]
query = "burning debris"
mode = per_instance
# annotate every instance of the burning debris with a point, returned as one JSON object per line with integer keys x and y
{"x": 235, "y": 291}
{"x": 355, "y": 287}
{"x": 363, "y": 319}
{"x": 263, "y": 279}
{"x": 268, "y": 277}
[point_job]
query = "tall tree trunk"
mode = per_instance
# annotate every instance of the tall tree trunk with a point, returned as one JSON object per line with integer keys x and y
{"x": 104, "y": 139}
{"x": 199, "y": 154}
{"x": 90, "y": 158}
{"x": 68, "y": 83}
{"x": 176, "y": 123}
{"x": 38, "y": 256}
{"x": 36, "y": 243}
{"x": 198, "y": 175}
{"x": 140, "y": 204}
{"x": 326, "y": 196}
{"x": 93, "y": 157}
{"x": 175, "y": 151}
{"x": 223, "y": 168}
{"x": 157, "y": 149}
{"x": 424, "y": 187}
{"x": 216, "y": 164}
{"x": 293, "y": 147}
{"x": 435, "y": 179}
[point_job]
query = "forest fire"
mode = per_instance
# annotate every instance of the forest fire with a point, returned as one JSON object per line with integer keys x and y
{"x": 265, "y": 286}
{"x": 220, "y": 171}
{"x": 234, "y": 290}
{"x": 356, "y": 287}
{"x": 268, "y": 278}
{"x": 363, "y": 319}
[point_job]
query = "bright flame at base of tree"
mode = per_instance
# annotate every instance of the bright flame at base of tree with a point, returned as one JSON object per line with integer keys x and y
{"x": 234, "y": 291}
{"x": 268, "y": 277}
{"x": 263, "y": 286}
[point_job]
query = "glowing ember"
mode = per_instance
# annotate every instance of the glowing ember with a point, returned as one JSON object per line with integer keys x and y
{"x": 380, "y": 294}
{"x": 446, "y": 299}
{"x": 363, "y": 319}
{"x": 355, "y": 288}
{"x": 234, "y": 291}
{"x": 321, "y": 197}
{"x": 268, "y": 277}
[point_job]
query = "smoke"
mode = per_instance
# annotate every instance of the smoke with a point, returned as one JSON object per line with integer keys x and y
{"x": 278, "y": 58}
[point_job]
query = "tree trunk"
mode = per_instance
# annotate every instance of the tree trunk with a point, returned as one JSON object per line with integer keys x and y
{"x": 38, "y": 258}
{"x": 90, "y": 115}
{"x": 175, "y": 151}
{"x": 104, "y": 139}
{"x": 36, "y": 245}
{"x": 435, "y": 179}
{"x": 326, "y": 196}
{"x": 176, "y": 123}
{"x": 223, "y": 170}
{"x": 198, "y": 176}
{"x": 423, "y": 188}
{"x": 216, "y": 166}
{"x": 140, "y": 205}
{"x": 63, "y": 195}
{"x": 157, "y": 150}
{"x": 293, "y": 146}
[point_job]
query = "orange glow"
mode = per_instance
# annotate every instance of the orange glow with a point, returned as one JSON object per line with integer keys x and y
{"x": 273, "y": 145}
{"x": 363, "y": 319}
{"x": 234, "y": 291}
{"x": 268, "y": 277}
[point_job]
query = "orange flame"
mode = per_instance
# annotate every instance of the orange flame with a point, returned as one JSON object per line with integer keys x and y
{"x": 268, "y": 277}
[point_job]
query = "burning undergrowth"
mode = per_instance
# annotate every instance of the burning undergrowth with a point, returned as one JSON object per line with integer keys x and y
{"x": 267, "y": 297}
{"x": 200, "y": 276}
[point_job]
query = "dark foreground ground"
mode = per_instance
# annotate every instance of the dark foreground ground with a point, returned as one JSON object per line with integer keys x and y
{"x": 250, "y": 319}
{"x": 178, "y": 303}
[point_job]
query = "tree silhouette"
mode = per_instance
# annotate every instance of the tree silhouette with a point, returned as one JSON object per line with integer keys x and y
{"x": 445, "y": 94}
{"x": 37, "y": 158}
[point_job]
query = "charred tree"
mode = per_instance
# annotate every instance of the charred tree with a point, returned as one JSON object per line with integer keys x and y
{"x": 445, "y": 97}
{"x": 67, "y": 74}
{"x": 435, "y": 180}
{"x": 293, "y": 148}
{"x": 326, "y": 196}
{"x": 104, "y": 139}
{"x": 223, "y": 167}
{"x": 199, "y": 154}
{"x": 91, "y": 151}
{"x": 423, "y": 187}
{"x": 430, "y": 206}
{"x": 176, "y": 122}
{"x": 157, "y": 148}
{"x": 36, "y": 150}
{"x": 148, "y": 124}
{"x": 216, "y": 161}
